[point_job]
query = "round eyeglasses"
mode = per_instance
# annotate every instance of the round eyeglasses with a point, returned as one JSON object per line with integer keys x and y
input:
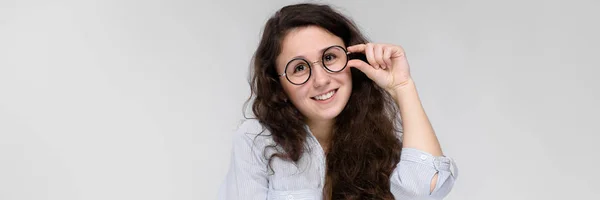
{"x": 299, "y": 70}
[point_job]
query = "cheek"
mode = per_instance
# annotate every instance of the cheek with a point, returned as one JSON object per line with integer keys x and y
{"x": 294, "y": 93}
{"x": 347, "y": 77}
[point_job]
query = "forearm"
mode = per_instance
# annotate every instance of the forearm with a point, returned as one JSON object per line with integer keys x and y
{"x": 418, "y": 132}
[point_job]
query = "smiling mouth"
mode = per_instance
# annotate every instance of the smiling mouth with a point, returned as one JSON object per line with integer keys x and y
{"x": 325, "y": 96}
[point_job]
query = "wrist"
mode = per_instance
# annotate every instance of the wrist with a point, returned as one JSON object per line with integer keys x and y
{"x": 407, "y": 89}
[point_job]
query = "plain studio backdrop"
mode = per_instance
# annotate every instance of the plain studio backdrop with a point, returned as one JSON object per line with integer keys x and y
{"x": 139, "y": 99}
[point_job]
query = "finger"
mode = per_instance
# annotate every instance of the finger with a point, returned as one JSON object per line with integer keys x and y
{"x": 378, "y": 53}
{"x": 364, "y": 67}
{"x": 387, "y": 56}
{"x": 371, "y": 56}
{"x": 359, "y": 48}
{"x": 397, "y": 52}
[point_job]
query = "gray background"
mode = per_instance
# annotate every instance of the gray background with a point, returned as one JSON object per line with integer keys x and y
{"x": 139, "y": 99}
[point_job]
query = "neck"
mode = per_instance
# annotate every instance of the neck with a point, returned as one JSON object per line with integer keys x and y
{"x": 322, "y": 130}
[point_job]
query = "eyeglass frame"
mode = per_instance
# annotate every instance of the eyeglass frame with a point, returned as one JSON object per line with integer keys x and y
{"x": 311, "y": 63}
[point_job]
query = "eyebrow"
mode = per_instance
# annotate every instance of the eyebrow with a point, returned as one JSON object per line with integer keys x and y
{"x": 304, "y": 57}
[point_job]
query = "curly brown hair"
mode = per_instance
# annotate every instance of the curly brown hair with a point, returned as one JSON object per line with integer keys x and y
{"x": 364, "y": 148}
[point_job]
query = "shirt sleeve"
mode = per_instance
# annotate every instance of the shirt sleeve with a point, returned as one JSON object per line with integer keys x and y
{"x": 412, "y": 177}
{"x": 247, "y": 175}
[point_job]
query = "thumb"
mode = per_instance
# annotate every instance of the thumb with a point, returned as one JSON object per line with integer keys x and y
{"x": 363, "y": 66}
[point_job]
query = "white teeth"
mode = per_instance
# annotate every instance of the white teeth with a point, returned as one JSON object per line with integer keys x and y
{"x": 325, "y": 96}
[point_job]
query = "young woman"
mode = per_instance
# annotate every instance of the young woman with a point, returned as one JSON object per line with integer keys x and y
{"x": 327, "y": 106}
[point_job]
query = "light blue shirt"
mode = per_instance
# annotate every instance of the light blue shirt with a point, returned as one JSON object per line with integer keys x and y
{"x": 249, "y": 178}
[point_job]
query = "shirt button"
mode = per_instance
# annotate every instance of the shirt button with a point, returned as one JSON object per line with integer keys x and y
{"x": 423, "y": 157}
{"x": 290, "y": 197}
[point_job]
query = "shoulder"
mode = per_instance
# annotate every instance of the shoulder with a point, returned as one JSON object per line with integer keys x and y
{"x": 250, "y": 128}
{"x": 251, "y": 134}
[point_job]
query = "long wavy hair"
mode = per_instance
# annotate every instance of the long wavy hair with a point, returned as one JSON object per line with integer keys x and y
{"x": 364, "y": 148}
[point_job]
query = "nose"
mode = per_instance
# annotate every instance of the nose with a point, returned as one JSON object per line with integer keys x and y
{"x": 320, "y": 76}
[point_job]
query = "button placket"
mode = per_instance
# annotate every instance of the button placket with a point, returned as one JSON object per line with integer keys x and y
{"x": 320, "y": 156}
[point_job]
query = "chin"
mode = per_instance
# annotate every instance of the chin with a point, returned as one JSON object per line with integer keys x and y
{"x": 328, "y": 116}
{"x": 332, "y": 112}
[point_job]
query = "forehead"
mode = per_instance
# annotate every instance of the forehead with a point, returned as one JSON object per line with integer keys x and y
{"x": 306, "y": 42}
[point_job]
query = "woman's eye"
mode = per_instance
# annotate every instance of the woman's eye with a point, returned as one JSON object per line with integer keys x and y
{"x": 299, "y": 68}
{"x": 329, "y": 57}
